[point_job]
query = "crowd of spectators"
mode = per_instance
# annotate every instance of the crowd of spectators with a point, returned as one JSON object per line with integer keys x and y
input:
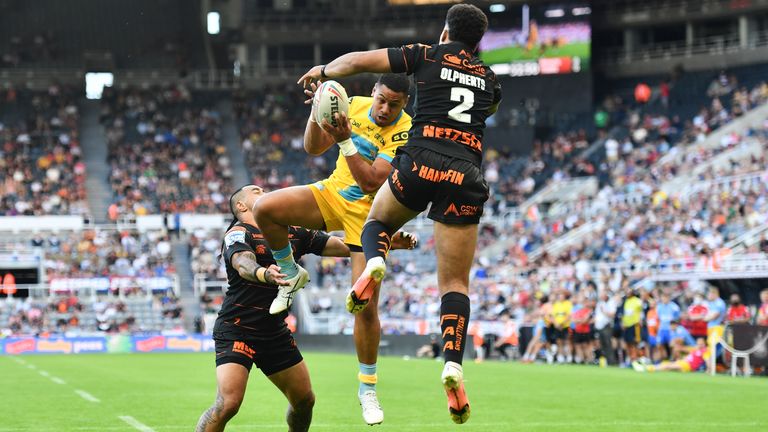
{"x": 41, "y": 170}
{"x": 72, "y": 315}
{"x": 165, "y": 153}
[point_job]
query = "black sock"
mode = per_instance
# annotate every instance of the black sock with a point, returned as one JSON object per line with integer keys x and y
{"x": 454, "y": 322}
{"x": 376, "y": 239}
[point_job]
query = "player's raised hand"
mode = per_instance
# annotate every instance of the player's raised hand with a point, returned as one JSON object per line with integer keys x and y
{"x": 404, "y": 240}
{"x": 274, "y": 277}
{"x": 314, "y": 74}
{"x": 342, "y": 131}
{"x": 310, "y": 93}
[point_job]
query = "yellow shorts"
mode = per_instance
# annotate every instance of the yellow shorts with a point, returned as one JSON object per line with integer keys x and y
{"x": 714, "y": 334}
{"x": 339, "y": 213}
{"x": 684, "y": 365}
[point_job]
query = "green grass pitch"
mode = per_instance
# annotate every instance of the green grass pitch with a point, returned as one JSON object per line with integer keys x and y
{"x": 505, "y": 55}
{"x": 167, "y": 392}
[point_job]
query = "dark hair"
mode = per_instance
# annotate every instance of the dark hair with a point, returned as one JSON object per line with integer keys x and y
{"x": 466, "y": 23}
{"x": 396, "y": 82}
{"x": 232, "y": 200}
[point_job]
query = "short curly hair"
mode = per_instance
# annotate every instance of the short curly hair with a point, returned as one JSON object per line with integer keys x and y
{"x": 398, "y": 83}
{"x": 466, "y": 23}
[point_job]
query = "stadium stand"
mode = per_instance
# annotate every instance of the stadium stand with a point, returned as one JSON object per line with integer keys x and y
{"x": 41, "y": 172}
{"x": 165, "y": 152}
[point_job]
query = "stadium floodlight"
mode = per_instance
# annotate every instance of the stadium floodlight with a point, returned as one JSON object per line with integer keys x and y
{"x": 214, "y": 23}
{"x": 554, "y": 13}
{"x": 578, "y": 11}
{"x": 95, "y": 83}
{"x": 497, "y": 8}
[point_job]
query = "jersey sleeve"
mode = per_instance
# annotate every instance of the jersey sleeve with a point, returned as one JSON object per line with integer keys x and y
{"x": 311, "y": 241}
{"x": 406, "y": 59}
{"x": 235, "y": 241}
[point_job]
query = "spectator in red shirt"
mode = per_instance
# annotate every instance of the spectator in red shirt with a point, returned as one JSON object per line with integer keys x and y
{"x": 696, "y": 322}
{"x": 737, "y": 312}
{"x": 762, "y": 313}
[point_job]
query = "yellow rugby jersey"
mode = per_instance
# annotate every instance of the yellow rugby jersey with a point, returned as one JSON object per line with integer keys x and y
{"x": 372, "y": 141}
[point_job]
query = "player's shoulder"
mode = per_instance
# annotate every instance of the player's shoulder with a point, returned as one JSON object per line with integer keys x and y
{"x": 236, "y": 234}
{"x": 237, "y": 228}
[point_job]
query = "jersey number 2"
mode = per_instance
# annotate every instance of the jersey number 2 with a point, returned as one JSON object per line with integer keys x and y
{"x": 466, "y": 98}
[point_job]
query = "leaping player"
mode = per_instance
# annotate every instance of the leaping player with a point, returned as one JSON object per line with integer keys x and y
{"x": 367, "y": 141}
{"x": 455, "y": 93}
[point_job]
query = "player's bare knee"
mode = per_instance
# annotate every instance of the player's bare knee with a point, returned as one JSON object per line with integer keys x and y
{"x": 230, "y": 405}
{"x": 369, "y": 315}
{"x": 263, "y": 208}
{"x": 305, "y": 403}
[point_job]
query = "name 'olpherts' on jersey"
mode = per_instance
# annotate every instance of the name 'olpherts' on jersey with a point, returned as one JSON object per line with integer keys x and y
{"x": 455, "y": 94}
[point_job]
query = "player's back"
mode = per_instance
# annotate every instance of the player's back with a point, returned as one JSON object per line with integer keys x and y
{"x": 455, "y": 94}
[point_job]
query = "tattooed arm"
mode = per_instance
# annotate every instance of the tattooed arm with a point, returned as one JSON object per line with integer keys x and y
{"x": 246, "y": 265}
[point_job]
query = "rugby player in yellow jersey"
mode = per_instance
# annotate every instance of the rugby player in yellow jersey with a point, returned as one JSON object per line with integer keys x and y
{"x": 367, "y": 140}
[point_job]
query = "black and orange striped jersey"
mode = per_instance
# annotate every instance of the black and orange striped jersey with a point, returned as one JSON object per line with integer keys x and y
{"x": 455, "y": 94}
{"x": 246, "y": 304}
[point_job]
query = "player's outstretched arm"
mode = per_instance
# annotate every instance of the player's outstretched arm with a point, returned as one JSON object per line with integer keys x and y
{"x": 374, "y": 61}
{"x": 249, "y": 269}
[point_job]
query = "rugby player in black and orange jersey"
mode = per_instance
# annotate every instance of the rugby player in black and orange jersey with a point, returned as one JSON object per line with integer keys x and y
{"x": 245, "y": 332}
{"x": 440, "y": 164}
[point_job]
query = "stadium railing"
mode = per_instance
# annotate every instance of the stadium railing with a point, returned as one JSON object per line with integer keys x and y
{"x": 119, "y": 287}
{"x": 728, "y": 183}
{"x": 564, "y": 190}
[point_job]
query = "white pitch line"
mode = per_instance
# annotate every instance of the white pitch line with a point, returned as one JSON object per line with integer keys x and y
{"x": 44, "y": 373}
{"x": 31, "y": 366}
{"x": 336, "y": 426}
{"x": 18, "y": 360}
{"x": 87, "y": 396}
{"x": 135, "y": 423}
{"x": 58, "y": 380}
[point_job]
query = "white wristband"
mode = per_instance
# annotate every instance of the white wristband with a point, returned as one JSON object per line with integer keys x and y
{"x": 347, "y": 147}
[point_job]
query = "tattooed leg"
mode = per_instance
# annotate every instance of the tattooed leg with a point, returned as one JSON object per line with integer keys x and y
{"x": 232, "y": 379}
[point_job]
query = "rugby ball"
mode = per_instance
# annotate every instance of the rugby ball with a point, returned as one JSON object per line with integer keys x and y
{"x": 330, "y": 98}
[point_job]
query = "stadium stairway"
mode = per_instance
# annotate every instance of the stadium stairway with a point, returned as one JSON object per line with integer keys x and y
{"x": 189, "y": 303}
{"x": 231, "y": 138}
{"x": 93, "y": 140}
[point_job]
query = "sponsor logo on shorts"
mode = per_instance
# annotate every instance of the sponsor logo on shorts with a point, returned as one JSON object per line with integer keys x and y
{"x": 243, "y": 348}
{"x": 464, "y": 210}
{"x": 396, "y": 180}
{"x": 467, "y": 138}
{"x": 438, "y": 176}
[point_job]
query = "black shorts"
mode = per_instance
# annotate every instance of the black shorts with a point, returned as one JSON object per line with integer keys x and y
{"x": 271, "y": 355}
{"x": 633, "y": 334}
{"x": 562, "y": 334}
{"x": 549, "y": 334}
{"x": 455, "y": 187}
{"x": 581, "y": 338}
